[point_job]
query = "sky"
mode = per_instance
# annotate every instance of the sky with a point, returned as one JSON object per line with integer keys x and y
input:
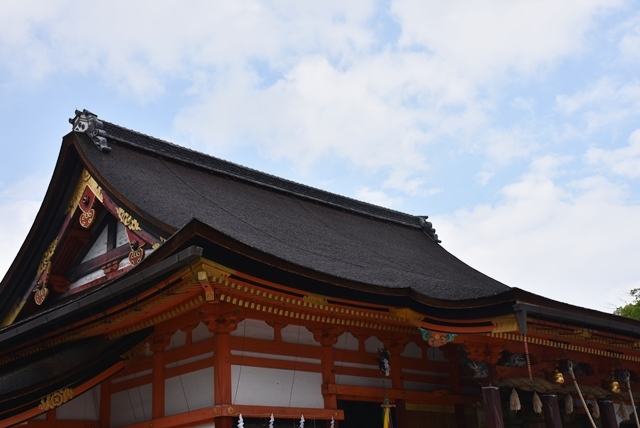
{"x": 514, "y": 125}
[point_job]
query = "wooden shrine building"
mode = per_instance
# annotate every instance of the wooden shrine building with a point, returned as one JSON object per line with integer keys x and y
{"x": 161, "y": 287}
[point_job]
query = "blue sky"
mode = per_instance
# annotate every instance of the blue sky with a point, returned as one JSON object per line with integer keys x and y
{"x": 515, "y": 125}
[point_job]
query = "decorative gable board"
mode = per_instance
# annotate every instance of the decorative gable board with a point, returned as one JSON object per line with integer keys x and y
{"x": 98, "y": 241}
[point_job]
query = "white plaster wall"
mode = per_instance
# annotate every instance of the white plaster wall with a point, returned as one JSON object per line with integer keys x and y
{"x": 131, "y": 406}
{"x": 412, "y": 350}
{"x": 298, "y": 334}
{"x": 83, "y": 407}
{"x": 201, "y": 332}
{"x": 255, "y": 329}
{"x": 276, "y": 387}
{"x": 189, "y": 391}
{"x": 347, "y": 341}
{"x": 99, "y": 273}
{"x": 178, "y": 339}
{"x": 99, "y": 246}
{"x": 372, "y": 344}
{"x": 121, "y": 235}
{"x": 131, "y": 376}
{"x": 374, "y": 382}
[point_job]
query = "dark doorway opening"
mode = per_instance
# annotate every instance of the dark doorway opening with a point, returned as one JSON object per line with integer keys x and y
{"x": 362, "y": 414}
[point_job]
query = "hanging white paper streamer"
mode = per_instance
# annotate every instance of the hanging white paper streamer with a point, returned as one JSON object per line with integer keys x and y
{"x": 271, "y": 421}
{"x": 537, "y": 404}
{"x": 301, "y": 421}
{"x": 514, "y": 402}
{"x": 568, "y": 404}
{"x": 623, "y": 412}
{"x": 240, "y": 421}
{"x": 333, "y": 422}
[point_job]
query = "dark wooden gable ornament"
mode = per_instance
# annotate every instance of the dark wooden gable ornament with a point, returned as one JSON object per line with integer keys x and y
{"x": 57, "y": 268}
{"x": 88, "y": 123}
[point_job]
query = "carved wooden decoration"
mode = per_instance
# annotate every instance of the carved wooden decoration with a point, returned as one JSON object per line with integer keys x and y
{"x": 40, "y": 290}
{"x": 56, "y": 399}
{"x": 86, "y": 206}
{"x": 436, "y": 339}
{"x": 136, "y": 255}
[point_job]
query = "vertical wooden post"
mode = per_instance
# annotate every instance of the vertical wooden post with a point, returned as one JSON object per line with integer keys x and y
{"x": 452, "y": 354}
{"x": 552, "y": 418}
{"x": 328, "y": 338}
{"x": 607, "y": 414}
{"x": 221, "y": 321}
{"x": 492, "y": 407}
{"x": 105, "y": 403}
{"x": 157, "y": 344}
{"x": 396, "y": 348}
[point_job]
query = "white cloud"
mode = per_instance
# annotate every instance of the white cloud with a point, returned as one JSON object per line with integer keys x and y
{"x": 19, "y": 204}
{"x": 485, "y": 39}
{"x": 377, "y": 197}
{"x": 629, "y": 44}
{"x": 505, "y": 145}
{"x": 623, "y": 161}
{"x": 317, "y": 112}
{"x": 605, "y": 103}
{"x": 573, "y": 242}
{"x": 483, "y": 177}
{"x": 141, "y": 46}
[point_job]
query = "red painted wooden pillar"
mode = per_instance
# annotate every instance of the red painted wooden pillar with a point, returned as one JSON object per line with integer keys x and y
{"x": 607, "y": 414}
{"x": 396, "y": 348}
{"x": 328, "y": 338}
{"x": 551, "y": 411}
{"x": 221, "y": 324}
{"x": 105, "y": 403}
{"x": 157, "y": 344}
{"x": 452, "y": 355}
{"x": 492, "y": 407}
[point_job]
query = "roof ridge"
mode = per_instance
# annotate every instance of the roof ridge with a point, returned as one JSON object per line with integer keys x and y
{"x": 215, "y": 164}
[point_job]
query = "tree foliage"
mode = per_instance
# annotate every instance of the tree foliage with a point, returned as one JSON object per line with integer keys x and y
{"x": 631, "y": 310}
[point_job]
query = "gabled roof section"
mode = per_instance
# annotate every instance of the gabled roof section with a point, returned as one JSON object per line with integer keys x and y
{"x": 316, "y": 230}
{"x": 233, "y": 170}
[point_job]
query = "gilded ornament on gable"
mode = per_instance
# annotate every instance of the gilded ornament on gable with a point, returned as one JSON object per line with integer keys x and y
{"x": 136, "y": 256}
{"x": 158, "y": 244}
{"x": 86, "y": 218}
{"x": 56, "y": 399}
{"x": 46, "y": 257}
{"x": 126, "y": 219}
{"x": 40, "y": 293}
{"x": 85, "y": 181}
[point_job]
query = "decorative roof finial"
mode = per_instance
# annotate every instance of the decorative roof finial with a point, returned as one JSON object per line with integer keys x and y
{"x": 428, "y": 229}
{"x": 87, "y": 122}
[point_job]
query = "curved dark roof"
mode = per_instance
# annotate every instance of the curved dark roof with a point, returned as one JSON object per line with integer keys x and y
{"x": 308, "y": 227}
{"x": 24, "y": 382}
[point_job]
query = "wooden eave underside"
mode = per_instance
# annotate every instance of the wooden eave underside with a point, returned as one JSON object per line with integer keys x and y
{"x": 183, "y": 297}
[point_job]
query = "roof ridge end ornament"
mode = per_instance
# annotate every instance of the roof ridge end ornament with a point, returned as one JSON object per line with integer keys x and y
{"x": 87, "y": 122}
{"x": 427, "y": 228}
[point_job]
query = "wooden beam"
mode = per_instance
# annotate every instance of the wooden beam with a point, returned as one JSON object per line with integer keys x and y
{"x": 35, "y": 411}
{"x": 209, "y": 414}
{"x": 61, "y": 424}
{"x": 440, "y": 397}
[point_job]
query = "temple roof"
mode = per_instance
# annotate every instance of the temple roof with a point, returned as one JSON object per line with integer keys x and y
{"x": 307, "y": 227}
